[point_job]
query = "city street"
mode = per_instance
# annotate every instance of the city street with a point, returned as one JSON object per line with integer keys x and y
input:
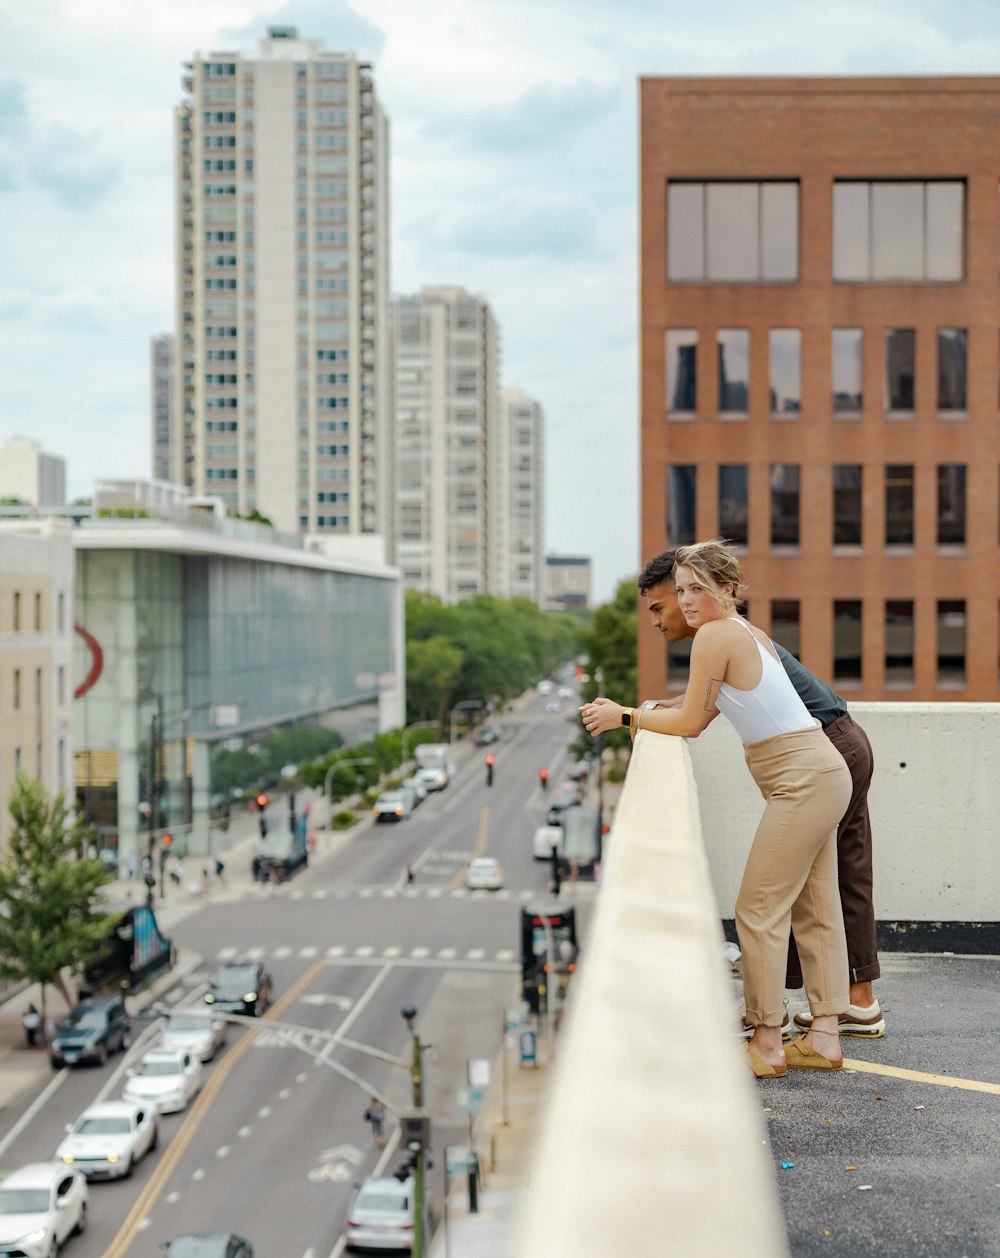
{"x": 274, "y": 1143}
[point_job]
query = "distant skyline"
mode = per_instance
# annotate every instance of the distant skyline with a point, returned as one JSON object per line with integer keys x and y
{"x": 513, "y": 174}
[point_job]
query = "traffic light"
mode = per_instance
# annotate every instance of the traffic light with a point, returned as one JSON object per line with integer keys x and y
{"x": 489, "y": 769}
{"x": 262, "y": 801}
{"x": 261, "y": 805}
{"x": 166, "y": 840}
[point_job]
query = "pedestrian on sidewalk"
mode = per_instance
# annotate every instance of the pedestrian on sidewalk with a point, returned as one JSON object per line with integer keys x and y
{"x": 375, "y": 1117}
{"x": 220, "y": 869}
{"x": 409, "y": 874}
{"x": 31, "y": 1020}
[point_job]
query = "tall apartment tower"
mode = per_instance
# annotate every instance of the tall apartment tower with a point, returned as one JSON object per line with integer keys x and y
{"x": 282, "y": 287}
{"x": 164, "y": 414}
{"x": 526, "y": 527}
{"x": 452, "y": 446}
{"x": 31, "y": 475}
{"x": 820, "y": 345}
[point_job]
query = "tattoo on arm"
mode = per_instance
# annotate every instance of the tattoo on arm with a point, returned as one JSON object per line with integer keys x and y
{"x": 709, "y": 703}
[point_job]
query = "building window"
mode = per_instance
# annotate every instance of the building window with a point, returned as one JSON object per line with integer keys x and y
{"x": 900, "y": 369}
{"x": 733, "y": 232}
{"x": 734, "y": 370}
{"x": 951, "y": 504}
{"x": 681, "y": 504}
{"x": 847, "y": 504}
{"x": 846, "y": 370}
{"x": 898, "y": 231}
{"x": 785, "y": 623}
{"x": 951, "y": 642}
{"x": 733, "y": 502}
{"x": 785, "y": 368}
{"x": 17, "y": 610}
{"x": 61, "y": 685}
{"x": 682, "y": 371}
{"x": 951, "y": 347}
{"x": 17, "y": 690}
{"x": 784, "y": 504}
{"x": 899, "y": 643}
{"x": 61, "y": 615}
{"x": 899, "y": 504}
{"x": 847, "y": 640}
{"x": 38, "y": 610}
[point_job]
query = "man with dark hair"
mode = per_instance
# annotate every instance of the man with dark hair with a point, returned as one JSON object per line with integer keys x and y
{"x": 854, "y": 837}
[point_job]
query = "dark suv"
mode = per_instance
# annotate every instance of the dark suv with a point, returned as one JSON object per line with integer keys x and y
{"x": 94, "y": 1030}
{"x": 240, "y": 987}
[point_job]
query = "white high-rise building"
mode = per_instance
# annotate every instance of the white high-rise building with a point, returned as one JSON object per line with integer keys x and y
{"x": 452, "y": 446}
{"x": 283, "y": 380}
{"x": 525, "y": 425}
{"x": 164, "y": 432}
{"x": 31, "y": 475}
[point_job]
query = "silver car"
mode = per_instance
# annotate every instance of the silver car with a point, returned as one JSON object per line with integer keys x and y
{"x": 170, "y": 1081}
{"x": 41, "y": 1206}
{"x": 194, "y": 1031}
{"x": 381, "y": 1215}
{"x": 109, "y": 1138}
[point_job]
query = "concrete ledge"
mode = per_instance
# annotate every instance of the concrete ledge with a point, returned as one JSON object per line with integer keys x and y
{"x": 652, "y": 1140}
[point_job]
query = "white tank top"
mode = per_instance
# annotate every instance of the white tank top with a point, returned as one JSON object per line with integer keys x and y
{"x": 771, "y": 708}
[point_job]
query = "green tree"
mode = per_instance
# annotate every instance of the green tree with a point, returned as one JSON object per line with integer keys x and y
{"x": 51, "y": 912}
{"x": 611, "y": 646}
{"x": 432, "y": 669}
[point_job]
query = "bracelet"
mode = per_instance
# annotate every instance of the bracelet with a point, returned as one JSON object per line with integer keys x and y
{"x": 635, "y": 720}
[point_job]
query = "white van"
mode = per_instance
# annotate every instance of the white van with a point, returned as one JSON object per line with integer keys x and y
{"x": 545, "y": 838}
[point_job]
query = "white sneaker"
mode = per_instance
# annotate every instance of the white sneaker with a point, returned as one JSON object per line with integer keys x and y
{"x": 857, "y": 1021}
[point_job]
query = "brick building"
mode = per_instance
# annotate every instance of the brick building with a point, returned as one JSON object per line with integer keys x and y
{"x": 820, "y": 375}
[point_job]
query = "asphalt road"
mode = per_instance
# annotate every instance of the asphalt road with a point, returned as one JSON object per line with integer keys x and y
{"x": 277, "y": 1138}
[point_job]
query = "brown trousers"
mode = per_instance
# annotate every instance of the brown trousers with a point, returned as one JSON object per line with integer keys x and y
{"x": 791, "y": 876}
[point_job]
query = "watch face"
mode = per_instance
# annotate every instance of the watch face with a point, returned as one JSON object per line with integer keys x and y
{"x": 626, "y": 718}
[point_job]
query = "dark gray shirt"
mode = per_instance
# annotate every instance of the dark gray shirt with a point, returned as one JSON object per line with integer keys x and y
{"x": 820, "y": 700}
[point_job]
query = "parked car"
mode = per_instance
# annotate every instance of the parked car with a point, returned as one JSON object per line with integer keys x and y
{"x": 282, "y": 854}
{"x": 546, "y": 687}
{"x": 168, "y": 1080}
{"x": 553, "y": 705}
{"x": 393, "y": 806}
{"x": 194, "y": 1031}
{"x": 381, "y": 1215}
{"x": 240, "y": 987}
{"x": 41, "y": 1206}
{"x": 487, "y": 734}
{"x": 109, "y": 1138}
{"x": 484, "y": 874}
{"x": 208, "y": 1245}
{"x": 434, "y": 778}
{"x": 94, "y": 1030}
{"x": 545, "y": 837}
{"x": 418, "y": 788}
{"x": 579, "y": 772}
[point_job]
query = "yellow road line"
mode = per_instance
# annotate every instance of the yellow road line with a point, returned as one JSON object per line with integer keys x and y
{"x": 484, "y": 833}
{"x": 918, "y": 1076}
{"x": 168, "y": 1162}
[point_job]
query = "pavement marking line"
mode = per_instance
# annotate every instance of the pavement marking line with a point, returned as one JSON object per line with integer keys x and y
{"x": 175, "y": 1150}
{"x": 480, "y": 848}
{"x": 918, "y": 1076}
{"x": 33, "y": 1109}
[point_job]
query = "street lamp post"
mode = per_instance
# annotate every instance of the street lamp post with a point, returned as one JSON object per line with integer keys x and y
{"x": 463, "y": 703}
{"x": 416, "y": 1147}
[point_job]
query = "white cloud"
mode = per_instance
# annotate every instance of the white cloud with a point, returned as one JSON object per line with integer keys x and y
{"x": 514, "y": 174}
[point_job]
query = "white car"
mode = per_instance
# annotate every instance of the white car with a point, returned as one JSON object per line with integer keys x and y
{"x": 484, "y": 874}
{"x": 434, "y": 779}
{"x": 109, "y": 1138}
{"x": 393, "y": 805}
{"x": 41, "y": 1205}
{"x": 194, "y": 1031}
{"x": 417, "y": 787}
{"x": 545, "y": 838}
{"x": 166, "y": 1079}
{"x": 381, "y": 1215}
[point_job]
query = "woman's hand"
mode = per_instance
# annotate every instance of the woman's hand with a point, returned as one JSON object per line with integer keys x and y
{"x": 600, "y": 715}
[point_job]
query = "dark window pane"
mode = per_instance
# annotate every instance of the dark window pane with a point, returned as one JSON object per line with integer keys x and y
{"x": 900, "y": 368}
{"x": 734, "y": 369}
{"x": 732, "y": 231}
{"x": 681, "y": 504}
{"x": 851, "y": 248}
{"x": 847, "y": 504}
{"x": 951, "y": 642}
{"x": 951, "y": 369}
{"x": 678, "y": 664}
{"x": 951, "y": 504}
{"x": 733, "y": 502}
{"x": 848, "y": 347}
{"x": 784, "y": 504}
{"x": 899, "y": 642}
{"x": 899, "y": 504}
{"x": 897, "y": 211}
{"x": 779, "y": 231}
{"x": 682, "y": 370}
{"x": 685, "y": 231}
{"x": 847, "y": 640}
{"x": 945, "y": 230}
{"x": 785, "y": 623}
{"x": 785, "y": 351}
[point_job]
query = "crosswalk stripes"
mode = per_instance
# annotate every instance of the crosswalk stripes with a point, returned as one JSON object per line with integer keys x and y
{"x": 344, "y": 953}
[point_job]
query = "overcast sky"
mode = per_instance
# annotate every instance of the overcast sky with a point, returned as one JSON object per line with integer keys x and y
{"x": 513, "y": 173}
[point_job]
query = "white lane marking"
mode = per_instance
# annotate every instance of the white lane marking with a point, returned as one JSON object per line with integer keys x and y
{"x": 283, "y": 951}
{"x": 222, "y": 1151}
{"x": 224, "y": 954}
{"x": 446, "y": 953}
{"x": 392, "y": 951}
{"x": 307, "y": 952}
{"x": 366, "y": 950}
{"x": 505, "y": 954}
{"x": 366, "y": 893}
{"x": 254, "y": 954}
{"x": 434, "y": 893}
{"x": 244, "y": 1132}
{"x": 33, "y": 1109}
{"x": 265, "y": 1112}
{"x": 476, "y": 954}
{"x": 420, "y": 952}
{"x": 198, "y": 1174}
{"x": 337, "y": 950}
{"x": 172, "y": 1198}
{"x": 143, "y": 1224}
{"x": 301, "y": 1078}
{"x": 389, "y": 893}
{"x": 284, "y": 1094}
{"x": 297, "y": 895}
{"x": 321, "y": 894}
{"x": 458, "y": 894}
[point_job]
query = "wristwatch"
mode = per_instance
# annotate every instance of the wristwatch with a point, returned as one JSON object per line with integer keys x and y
{"x": 627, "y": 718}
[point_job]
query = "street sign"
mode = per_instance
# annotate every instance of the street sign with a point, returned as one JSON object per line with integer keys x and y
{"x": 227, "y": 714}
{"x": 470, "y": 1100}
{"x": 478, "y": 1072}
{"x": 512, "y": 1017}
{"x": 457, "y": 1159}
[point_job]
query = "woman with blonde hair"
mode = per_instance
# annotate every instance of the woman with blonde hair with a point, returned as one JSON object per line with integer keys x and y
{"x": 790, "y": 877}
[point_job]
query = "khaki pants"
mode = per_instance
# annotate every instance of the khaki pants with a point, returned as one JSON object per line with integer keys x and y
{"x": 790, "y": 878}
